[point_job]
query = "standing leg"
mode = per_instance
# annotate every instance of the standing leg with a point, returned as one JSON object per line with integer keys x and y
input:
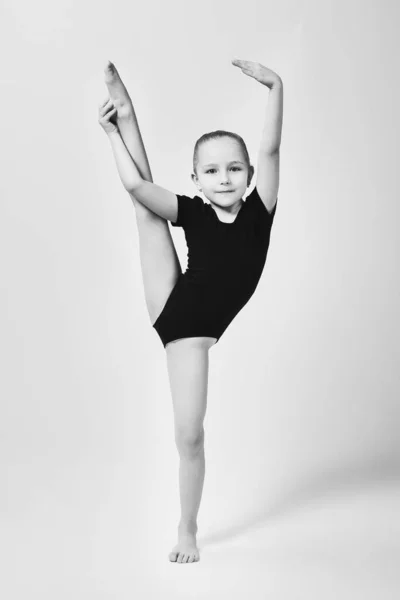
{"x": 187, "y": 361}
{"x": 159, "y": 260}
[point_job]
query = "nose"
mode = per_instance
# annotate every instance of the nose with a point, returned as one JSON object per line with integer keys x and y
{"x": 224, "y": 178}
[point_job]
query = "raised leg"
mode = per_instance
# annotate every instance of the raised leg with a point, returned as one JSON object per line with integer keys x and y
{"x": 158, "y": 258}
{"x": 187, "y": 361}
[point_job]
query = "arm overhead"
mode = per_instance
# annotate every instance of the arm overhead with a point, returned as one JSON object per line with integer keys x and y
{"x": 272, "y": 133}
{"x": 269, "y": 153}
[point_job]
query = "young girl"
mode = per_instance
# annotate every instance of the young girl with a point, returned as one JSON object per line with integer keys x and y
{"x": 227, "y": 242}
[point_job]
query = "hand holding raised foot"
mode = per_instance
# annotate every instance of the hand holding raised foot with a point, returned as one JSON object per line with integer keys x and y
{"x": 107, "y": 116}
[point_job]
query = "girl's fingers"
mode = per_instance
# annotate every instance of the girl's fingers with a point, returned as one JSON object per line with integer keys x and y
{"x": 247, "y": 71}
{"x": 108, "y": 116}
{"x": 104, "y": 109}
{"x": 104, "y": 101}
{"x": 247, "y": 67}
{"x": 241, "y": 63}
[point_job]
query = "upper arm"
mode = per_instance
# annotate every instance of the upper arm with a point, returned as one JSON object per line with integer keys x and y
{"x": 159, "y": 200}
{"x": 268, "y": 178}
{"x": 190, "y": 211}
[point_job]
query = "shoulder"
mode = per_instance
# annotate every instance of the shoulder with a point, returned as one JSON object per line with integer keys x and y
{"x": 257, "y": 204}
{"x": 189, "y": 209}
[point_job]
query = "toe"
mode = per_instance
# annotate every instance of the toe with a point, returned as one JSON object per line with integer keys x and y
{"x": 109, "y": 67}
{"x": 173, "y": 556}
{"x": 191, "y": 558}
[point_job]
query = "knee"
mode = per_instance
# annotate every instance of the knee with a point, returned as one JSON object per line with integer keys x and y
{"x": 189, "y": 440}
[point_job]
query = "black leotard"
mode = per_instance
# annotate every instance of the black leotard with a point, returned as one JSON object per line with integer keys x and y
{"x": 225, "y": 263}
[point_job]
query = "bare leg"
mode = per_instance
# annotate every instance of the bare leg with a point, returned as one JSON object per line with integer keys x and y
{"x": 159, "y": 260}
{"x": 187, "y": 361}
{"x": 187, "y": 358}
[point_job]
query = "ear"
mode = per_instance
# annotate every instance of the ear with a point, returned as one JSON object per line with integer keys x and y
{"x": 196, "y": 181}
{"x": 250, "y": 175}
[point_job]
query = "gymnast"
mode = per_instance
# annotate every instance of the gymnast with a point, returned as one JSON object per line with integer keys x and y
{"x": 227, "y": 239}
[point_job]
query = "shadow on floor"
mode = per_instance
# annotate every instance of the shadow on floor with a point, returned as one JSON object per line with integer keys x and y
{"x": 331, "y": 481}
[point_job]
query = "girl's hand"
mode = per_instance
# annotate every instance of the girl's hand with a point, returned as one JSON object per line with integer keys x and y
{"x": 107, "y": 115}
{"x": 259, "y": 72}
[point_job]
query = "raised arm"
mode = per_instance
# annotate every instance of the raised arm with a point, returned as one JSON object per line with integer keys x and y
{"x": 269, "y": 153}
{"x": 159, "y": 200}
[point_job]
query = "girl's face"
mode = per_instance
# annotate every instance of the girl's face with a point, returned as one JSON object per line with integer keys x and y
{"x": 222, "y": 172}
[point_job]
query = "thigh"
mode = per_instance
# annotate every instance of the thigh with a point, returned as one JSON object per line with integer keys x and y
{"x": 187, "y": 361}
{"x": 158, "y": 259}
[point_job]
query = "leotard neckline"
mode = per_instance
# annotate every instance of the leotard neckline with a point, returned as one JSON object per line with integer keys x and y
{"x": 227, "y": 222}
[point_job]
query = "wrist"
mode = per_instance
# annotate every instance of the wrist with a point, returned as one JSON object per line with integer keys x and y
{"x": 278, "y": 83}
{"x": 113, "y": 134}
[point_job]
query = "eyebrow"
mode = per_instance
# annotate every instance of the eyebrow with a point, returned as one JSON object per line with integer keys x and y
{"x": 215, "y": 164}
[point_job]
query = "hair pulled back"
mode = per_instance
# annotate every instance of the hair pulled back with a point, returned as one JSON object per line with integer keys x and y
{"x": 213, "y": 135}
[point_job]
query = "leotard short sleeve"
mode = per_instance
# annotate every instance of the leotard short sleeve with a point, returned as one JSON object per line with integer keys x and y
{"x": 188, "y": 210}
{"x": 259, "y": 206}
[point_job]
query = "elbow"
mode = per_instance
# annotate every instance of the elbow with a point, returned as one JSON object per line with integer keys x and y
{"x": 271, "y": 150}
{"x": 132, "y": 187}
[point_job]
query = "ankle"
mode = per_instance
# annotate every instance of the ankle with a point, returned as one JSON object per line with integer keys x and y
{"x": 187, "y": 525}
{"x": 125, "y": 112}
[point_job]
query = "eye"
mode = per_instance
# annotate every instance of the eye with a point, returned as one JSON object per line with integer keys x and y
{"x": 232, "y": 168}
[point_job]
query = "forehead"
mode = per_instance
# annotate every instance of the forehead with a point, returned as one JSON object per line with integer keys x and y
{"x": 220, "y": 149}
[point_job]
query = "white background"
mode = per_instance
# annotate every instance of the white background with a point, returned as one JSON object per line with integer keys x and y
{"x": 303, "y": 414}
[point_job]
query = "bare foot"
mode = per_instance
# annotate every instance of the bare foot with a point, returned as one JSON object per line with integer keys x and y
{"x": 118, "y": 92}
{"x": 186, "y": 550}
{"x": 129, "y": 130}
